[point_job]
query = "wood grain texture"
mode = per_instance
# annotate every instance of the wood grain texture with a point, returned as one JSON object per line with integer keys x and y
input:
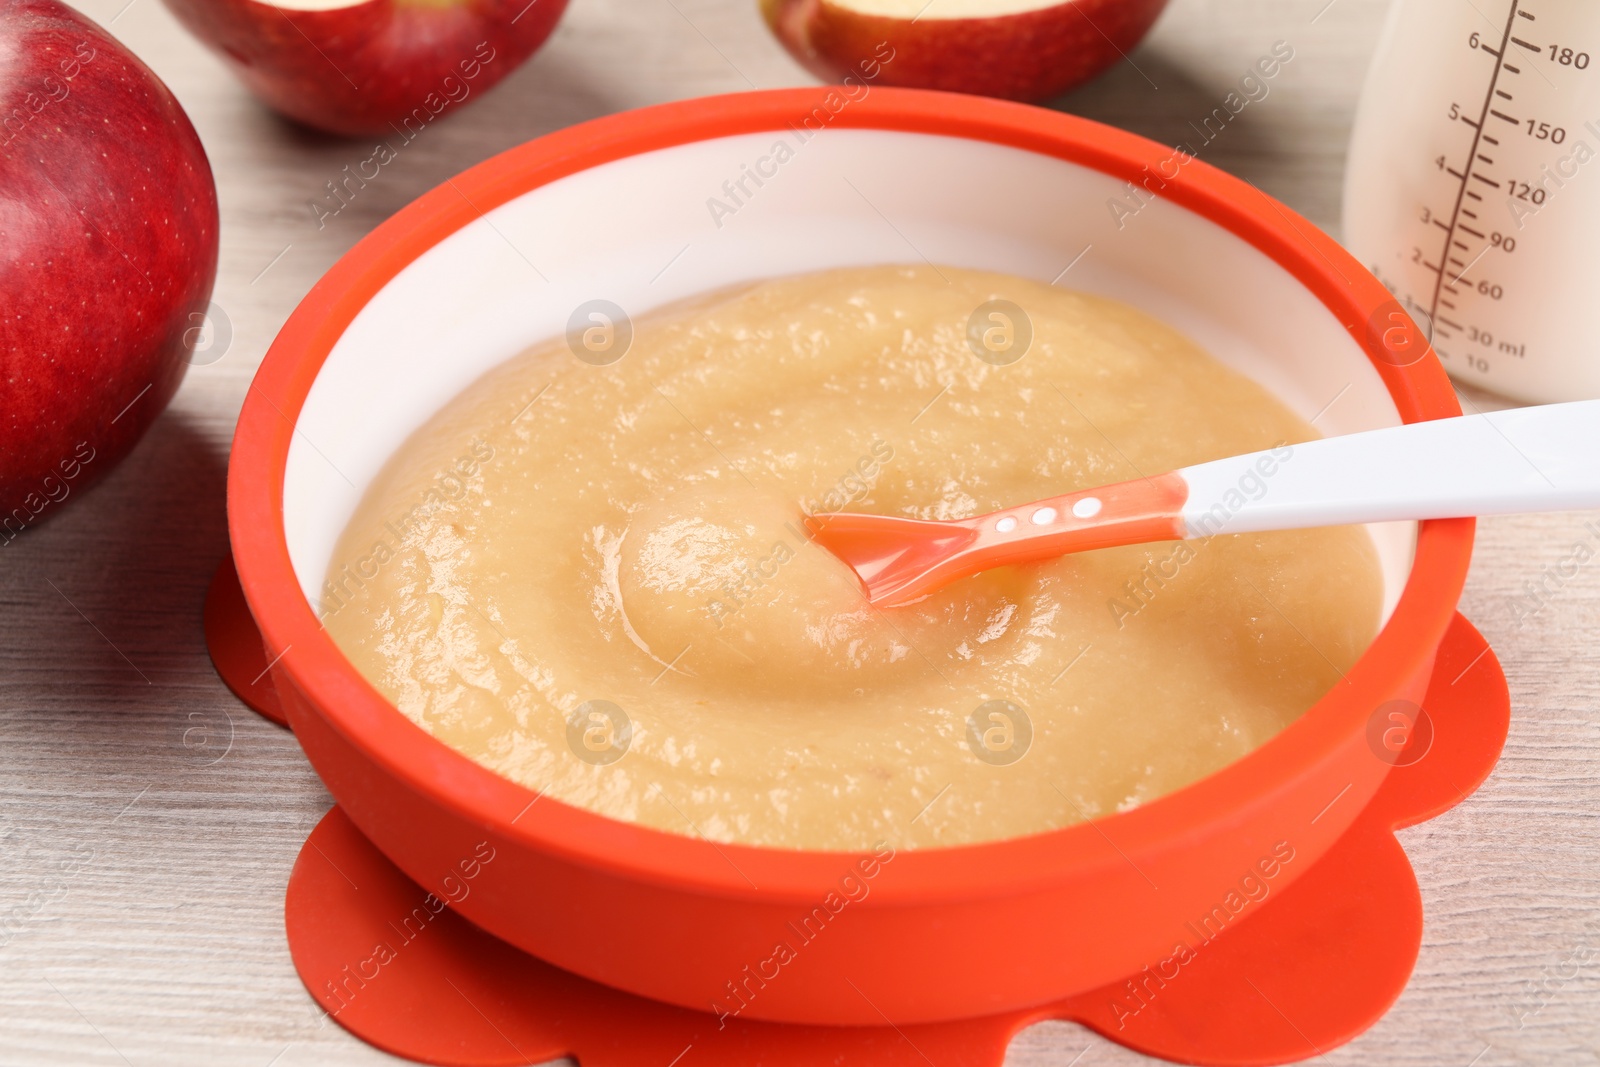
{"x": 148, "y": 822}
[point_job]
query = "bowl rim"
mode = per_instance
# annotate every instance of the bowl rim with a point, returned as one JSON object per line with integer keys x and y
{"x": 302, "y": 653}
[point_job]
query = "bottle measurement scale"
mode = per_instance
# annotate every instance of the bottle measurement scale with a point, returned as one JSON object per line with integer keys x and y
{"x": 1473, "y": 188}
{"x": 1461, "y": 238}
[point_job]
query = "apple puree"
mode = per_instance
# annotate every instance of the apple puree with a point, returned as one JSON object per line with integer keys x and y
{"x": 594, "y": 579}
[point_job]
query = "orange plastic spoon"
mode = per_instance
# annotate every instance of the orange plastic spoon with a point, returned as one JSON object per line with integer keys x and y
{"x": 1522, "y": 460}
{"x": 901, "y": 560}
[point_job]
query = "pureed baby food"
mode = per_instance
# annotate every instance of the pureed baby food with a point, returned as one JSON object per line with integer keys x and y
{"x": 595, "y": 579}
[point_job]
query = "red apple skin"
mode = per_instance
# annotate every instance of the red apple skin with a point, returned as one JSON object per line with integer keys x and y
{"x": 108, "y": 250}
{"x": 363, "y": 69}
{"x": 1032, "y": 56}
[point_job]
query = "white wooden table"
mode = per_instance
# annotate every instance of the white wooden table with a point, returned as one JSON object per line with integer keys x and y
{"x": 148, "y": 822}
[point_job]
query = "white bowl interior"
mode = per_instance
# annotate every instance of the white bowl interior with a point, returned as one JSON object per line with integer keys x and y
{"x": 642, "y": 232}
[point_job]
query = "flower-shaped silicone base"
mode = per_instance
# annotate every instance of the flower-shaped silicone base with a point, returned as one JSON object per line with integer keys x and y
{"x": 1311, "y": 968}
{"x": 235, "y": 644}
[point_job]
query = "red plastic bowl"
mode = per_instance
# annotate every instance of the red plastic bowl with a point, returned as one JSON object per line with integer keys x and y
{"x": 623, "y": 208}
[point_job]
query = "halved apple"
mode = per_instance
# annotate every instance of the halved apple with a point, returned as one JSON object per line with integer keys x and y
{"x": 1030, "y": 50}
{"x": 369, "y": 66}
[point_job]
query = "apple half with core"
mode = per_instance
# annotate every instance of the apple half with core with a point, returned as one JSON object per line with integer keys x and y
{"x": 355, "y": 67}
{"x": 1032, "y": 50}
{"x": 108, "y": 249}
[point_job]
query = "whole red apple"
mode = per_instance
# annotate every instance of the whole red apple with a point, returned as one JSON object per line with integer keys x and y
{"x": 108, "y": 248}
{"x": 1031, "y": 50}
{"x": 369, "y": 66}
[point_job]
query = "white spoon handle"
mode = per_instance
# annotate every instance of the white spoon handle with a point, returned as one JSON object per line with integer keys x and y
{"x": 1521, "y": 460}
